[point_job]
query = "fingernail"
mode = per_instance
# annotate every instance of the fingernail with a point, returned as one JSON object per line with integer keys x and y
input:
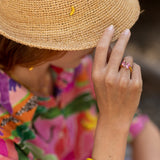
{"x": 110, "y": 27}
{"x": 125, "y": 32}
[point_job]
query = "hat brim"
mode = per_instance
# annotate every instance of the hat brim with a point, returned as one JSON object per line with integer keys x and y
{"x": 80, "y": 31}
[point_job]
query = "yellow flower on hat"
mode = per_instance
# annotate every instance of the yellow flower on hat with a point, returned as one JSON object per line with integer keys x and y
{"x": 73, "y": 10}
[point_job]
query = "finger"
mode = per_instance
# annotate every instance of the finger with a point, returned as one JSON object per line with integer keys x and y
{"x": 102, "y": 49}
{"x": 124, "y": 72}
{"x": 136, "y": 76}
{"x": 118, "y": 51}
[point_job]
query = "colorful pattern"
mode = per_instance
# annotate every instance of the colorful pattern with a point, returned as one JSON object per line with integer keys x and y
{"x": 60, "y": 127}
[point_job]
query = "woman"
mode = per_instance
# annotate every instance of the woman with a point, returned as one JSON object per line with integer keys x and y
{"x": 47, "y": 98}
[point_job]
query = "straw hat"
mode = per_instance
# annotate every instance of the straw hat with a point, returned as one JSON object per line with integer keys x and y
{"x": 64, "y": 24}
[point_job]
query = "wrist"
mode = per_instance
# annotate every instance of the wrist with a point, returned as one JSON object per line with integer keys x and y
{"x": 113, "y": 124}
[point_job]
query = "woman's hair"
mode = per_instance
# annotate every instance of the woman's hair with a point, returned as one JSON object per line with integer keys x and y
{"x": 12, "y": 53}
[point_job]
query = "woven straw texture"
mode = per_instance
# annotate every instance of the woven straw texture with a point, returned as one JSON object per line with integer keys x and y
{"x": 48, "y": 23}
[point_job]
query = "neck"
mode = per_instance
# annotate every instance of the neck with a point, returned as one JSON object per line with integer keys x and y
{"x": 38, "y": 81}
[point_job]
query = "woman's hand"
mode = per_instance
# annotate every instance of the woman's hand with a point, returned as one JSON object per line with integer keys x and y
{"x": 117, "y": 90}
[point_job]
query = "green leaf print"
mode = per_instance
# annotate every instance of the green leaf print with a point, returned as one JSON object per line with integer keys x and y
{"x": 21, "y": 154}
{"x": 52, "y": 113}
{"x": 24, "y": 132}
{"x": 40, "y": 110}
{"x": 80, "y": 103}
{"x": 46, "y": 113}
{"x": 38, "y": 153}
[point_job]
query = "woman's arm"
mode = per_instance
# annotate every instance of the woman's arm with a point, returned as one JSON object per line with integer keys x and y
{"x": 110, "y": 141}
{"x": 118, "y": 92}
{"x": 146, "y": 145}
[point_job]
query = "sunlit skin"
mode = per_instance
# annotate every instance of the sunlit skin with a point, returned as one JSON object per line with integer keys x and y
{"x": 38, "y": 80}
{"x": 72, "y": 59}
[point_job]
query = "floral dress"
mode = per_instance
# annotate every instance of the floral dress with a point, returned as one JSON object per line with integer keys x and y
{"x": 59, "y": 127}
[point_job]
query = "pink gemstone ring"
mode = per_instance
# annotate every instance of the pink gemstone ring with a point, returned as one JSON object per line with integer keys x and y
{"x": 126, "y": 65}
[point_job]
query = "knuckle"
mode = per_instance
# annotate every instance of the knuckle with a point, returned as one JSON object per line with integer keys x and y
{"x": 137, "y": 85}
{"x": 138, "y": 67}
{"x": 123, "y": 83}
{"x": 96, "y": 77}
{"x": 129, "y": 58}
{"x": 110, "y": 80}
{"x": 135, "y": 64}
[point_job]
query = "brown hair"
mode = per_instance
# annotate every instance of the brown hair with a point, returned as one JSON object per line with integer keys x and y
{"x": 12, "y": 53}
